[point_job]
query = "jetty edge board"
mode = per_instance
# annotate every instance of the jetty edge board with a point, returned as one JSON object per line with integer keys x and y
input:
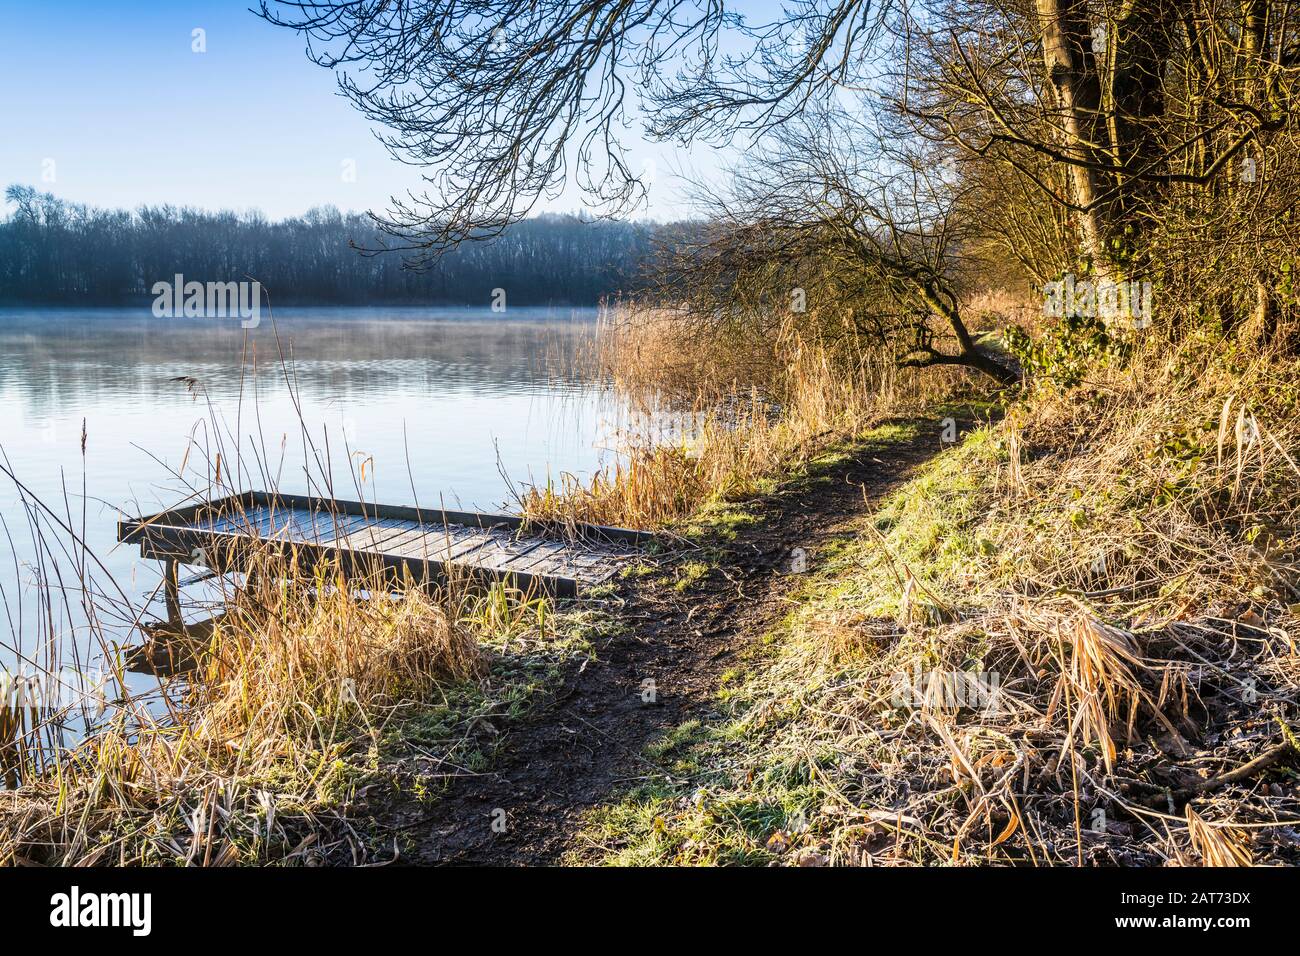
{"x": 221, "y": 534}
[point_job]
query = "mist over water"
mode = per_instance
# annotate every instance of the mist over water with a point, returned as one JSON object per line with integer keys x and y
{"x": 430, "y": 405}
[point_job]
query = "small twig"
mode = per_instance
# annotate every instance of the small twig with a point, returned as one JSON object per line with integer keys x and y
{"x": 1244, "y": 772}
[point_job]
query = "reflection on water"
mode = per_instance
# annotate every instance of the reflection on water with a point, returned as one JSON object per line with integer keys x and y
{"x": 431, "y": 403}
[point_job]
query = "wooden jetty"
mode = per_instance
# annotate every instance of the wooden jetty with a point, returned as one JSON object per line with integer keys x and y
{"x": 428, "y": 544}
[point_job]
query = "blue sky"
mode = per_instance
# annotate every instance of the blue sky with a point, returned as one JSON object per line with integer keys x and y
{"x": 106, "y": 103}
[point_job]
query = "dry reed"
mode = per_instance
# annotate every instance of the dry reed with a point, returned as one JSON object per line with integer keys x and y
{"x": 719, "y": 421}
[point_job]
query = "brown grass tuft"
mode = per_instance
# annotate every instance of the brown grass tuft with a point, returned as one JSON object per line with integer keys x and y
{"x": 1218, "y": 845}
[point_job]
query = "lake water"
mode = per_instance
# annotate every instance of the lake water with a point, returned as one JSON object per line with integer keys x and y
{"x": 418, "y": 405}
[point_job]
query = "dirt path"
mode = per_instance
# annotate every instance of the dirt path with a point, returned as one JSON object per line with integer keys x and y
{"x": 586, "y": 744}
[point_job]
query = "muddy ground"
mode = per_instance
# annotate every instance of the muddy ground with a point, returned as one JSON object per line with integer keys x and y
{"x": 585, "y": 744}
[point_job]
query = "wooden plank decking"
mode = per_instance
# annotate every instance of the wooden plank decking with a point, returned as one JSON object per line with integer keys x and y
{"x": 426, "y": 543}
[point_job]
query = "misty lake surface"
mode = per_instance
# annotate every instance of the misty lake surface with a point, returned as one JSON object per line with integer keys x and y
{"x": 415, "y": 405}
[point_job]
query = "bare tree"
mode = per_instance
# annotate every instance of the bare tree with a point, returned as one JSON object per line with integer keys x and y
{"x": 1116, "y": 112}
{"x": 500, "y": 100}
{"x": 866, "y": 234}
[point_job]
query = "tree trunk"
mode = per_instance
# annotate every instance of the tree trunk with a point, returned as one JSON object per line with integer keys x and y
{"x": 1072, "y": 69}
{"x": 1260, "y": 329}
{"x": 1142, "y": 45}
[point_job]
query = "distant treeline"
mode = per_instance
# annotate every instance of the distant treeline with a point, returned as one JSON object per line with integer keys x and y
{"x": 52, "y": 251}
